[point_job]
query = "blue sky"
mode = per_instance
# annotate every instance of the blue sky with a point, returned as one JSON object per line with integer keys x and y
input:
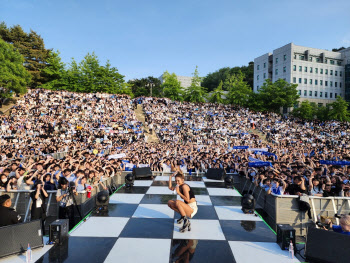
{"x": 146, "y": 37}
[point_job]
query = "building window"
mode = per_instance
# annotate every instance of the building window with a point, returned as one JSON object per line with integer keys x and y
{"x": 305, "y": 81}
{"x": 331, "y": 72}
{"x": 321, "y": 82}
{"x": 331, "y": 95}
{"x": 257, "y": 77}
{"x": 294, "y": 80}
{"x": 321, "y": 70}
{"x": 336, "y": 84}
{"x": 276, "y": 71}
{"x": 305, "y": 93}
{"x": 318, "y": 59}
{"x": 339, "y": 84}
{"x": 336, "y": 73}
{"x": 301, "y": 57}
{"x": 257, "y": 88}
{"x": 326, "y": 83}
{"x": 276, "y": 60}
{"x": 264, "y": 75}
{"x": 299, "y": 92}
{"x": 295, "y": 56}
{"x": 310, "y": 93}
{"x": 320, "y": 94}
{"x": 315, "y": 93}
{"x": 325, "y": 61}
{"x": 258, "y": 67}
{"x": 316, "y": 82}
{"x": 316, "y": 70}
{"x": 339, "y": 63}
{"x": 326, "y": 71}
{"x": 332, "y": 62}
{"x": 299, "y": 80}
{"x": 300, "y": 68}
{"x": 335, "y": 95}
{"x": 331, "y": 83}
{"x": 264, "y": 64}
{"x": 326, "y": 94}
{"x": 305, "y": 69}
{"x": 294, "y": 68}
{"x": 310, "y": 69}
{"x": 310, "y": 81}
{"x": 310, "y": 58}
{"x": 284, "y": 69}
{"x": 340, "y": 74}
{"x": 284, "y": 57}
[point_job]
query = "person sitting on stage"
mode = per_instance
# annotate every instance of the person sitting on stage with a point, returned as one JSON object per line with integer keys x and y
{"x": 344, "y": 225}
{"x": 187, "y": 208}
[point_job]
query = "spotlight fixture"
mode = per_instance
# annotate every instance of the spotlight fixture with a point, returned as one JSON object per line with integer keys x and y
{"x": 229, "y": 181}
{"x": 248, "y": 204}
{"x": 129, "y": 180}
{"x": 102, "y": 201}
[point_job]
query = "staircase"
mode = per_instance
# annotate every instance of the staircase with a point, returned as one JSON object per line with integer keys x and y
{"x": 140, "y": 115}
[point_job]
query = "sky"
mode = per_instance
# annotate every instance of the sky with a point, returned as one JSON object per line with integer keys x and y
{"x": 146, "y": 37}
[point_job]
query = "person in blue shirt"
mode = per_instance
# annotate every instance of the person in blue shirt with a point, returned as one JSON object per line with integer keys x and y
{"x": 343, "y": 227}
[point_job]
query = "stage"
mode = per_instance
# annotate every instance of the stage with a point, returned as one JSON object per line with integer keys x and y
{"x": 140, "y": 227}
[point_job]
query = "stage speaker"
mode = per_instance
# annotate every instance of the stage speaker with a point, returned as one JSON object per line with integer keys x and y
{"x": 142, "y": 172}
{"x": 285, "y": 234}
{"x": 327, "y": 246}
{"x": 15, "y": 238}
{"x": 59, "y": 231}
{"x": 215, "y": 174}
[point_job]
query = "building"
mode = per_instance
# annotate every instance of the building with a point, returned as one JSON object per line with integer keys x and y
{"x": 321, "y": 75}
{"x": 185, "y": 81}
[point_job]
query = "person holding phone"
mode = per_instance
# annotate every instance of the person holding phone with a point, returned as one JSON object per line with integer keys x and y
{"x": 38, "y": 210}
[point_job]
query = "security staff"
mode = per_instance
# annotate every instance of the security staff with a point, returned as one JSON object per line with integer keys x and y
{"x": 8, "y": 215}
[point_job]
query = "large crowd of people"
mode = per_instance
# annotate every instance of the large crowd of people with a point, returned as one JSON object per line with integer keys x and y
{"x": 193, "y": 137}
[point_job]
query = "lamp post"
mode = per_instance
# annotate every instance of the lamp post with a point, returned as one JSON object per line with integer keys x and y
{"x": 150, "y": 85}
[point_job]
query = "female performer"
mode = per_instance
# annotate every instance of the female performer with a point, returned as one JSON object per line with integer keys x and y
{"x": 186, "y": 209}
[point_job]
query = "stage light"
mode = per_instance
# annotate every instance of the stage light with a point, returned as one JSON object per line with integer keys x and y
{"x": 229, "y": 181}
{"x": 102, "y": 201}
{"x": 129, "y": 180}
{"x": 248, "y": 204}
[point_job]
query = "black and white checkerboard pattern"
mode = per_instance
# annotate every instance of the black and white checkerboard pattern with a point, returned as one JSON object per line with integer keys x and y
{"x": 140, "y": 227}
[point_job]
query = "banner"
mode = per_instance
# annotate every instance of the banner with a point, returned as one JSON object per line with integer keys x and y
{"x": 266, "y": 153}
{"x": 259, "y": 164}
{"x": 116, "y": 156}
{"x": 143, "y": 165}
{"x": 258, "y": 149}
{"x": 240, "y": 147}
{"x": 334, "y": 162}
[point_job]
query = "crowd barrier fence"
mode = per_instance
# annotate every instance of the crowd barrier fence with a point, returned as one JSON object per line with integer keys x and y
{"x": 284, "y": 209}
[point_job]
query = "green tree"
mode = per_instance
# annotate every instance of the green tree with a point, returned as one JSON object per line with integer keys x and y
{"x": 278, "y": 94}
{"x": 13, "y": 75}
{"x": 238, "y": 90}
{"x": 322, "y": 113}
{"x": 172, "y": 87}
{"x": 142, "y": 87}
{"x": 54, "y": 72}
{"x": 339, "y": 110}
{"x": 32, "y": 47}
{"x": 195, "y": 93}
{"x": 305, "y": 111}
{"x": 217, "y": 95}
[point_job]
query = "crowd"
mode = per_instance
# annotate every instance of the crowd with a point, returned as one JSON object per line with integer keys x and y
{"x": 282, "y": 155}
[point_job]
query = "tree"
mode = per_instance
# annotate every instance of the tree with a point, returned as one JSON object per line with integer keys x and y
{"x": 238, "y": 90}
{"x": 54, "y": 72}
{"x": 212, "y": 80}
{"x": 172, "y": 87}
{"x": 305, "y": 111}
{"x": 32, "y": 47}
{"x": 142, "y": 87}
{"x": 339, "y": 110}
{"x": 13, "y": 75}
{"x": 278, "y": 94}
{"x": 195, "y": 93}
{"x": 217, "y": 95}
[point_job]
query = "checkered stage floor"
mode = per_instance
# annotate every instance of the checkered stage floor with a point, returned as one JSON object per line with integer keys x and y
{"x": 140, "y": 227}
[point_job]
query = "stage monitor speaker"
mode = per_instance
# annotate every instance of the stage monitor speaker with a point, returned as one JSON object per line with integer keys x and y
{"x": 15, "y": 238}
{"x": 327, "y": 246}
{"x": 285, "y": 233}
{"x": 215, "y": 174}
{"x": 142, "y": 172}
{"x": 59, "y": 231}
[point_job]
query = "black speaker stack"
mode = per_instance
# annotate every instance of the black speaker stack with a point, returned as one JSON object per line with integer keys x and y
{"x": 143, "y": 172}
{"x": 59, "y": 231}
{"x": 285, "y": 234}
{"x": 215, "y": 174}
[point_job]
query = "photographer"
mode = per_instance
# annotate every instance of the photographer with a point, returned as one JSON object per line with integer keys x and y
{"x": 344, "y": 225}
{"x": 65, "y": 198}
{"x": 38, "y": 205}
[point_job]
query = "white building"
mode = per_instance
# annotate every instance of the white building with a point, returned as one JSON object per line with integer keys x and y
{"x": 320, "y": 74}
{"x": 185, "y": 81}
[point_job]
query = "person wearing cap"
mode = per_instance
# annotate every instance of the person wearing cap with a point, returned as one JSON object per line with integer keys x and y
{"x": 8, "y": 215}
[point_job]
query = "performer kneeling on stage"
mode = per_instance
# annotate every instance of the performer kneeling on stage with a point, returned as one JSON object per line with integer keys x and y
{"x": 186, "y": 209}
